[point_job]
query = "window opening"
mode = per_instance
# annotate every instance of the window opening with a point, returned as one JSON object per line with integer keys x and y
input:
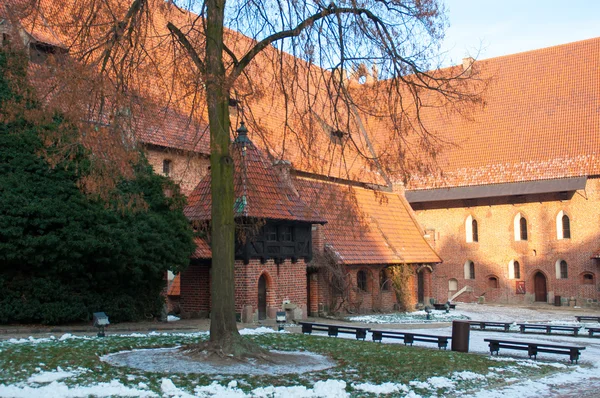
{"x": 566, "y": 227}
{"x": 588, "y": 279}
{"x": 563, "y": 270}
{"x": 517, "y": 270}
{"x": 166, "y": 167}
{"x": 523, "y": 227}
{"x": 475, "y": 231}
{"x": 383, "y": 280}
{"x": 361, "y": 280}
{"x": 287, "y": 234}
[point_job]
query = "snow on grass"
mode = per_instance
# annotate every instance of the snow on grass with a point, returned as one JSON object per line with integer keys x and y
{"x": 409, "y": 317}
{"x": 54, "y": 375}
{"x": 61, "y": 390}
{"x": 384, "y": 388}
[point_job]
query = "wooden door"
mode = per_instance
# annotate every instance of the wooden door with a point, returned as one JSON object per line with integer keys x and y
{"x": 540, "y": 288}
{"x": 421, "y": 287}
{"x": 262, "y": 297}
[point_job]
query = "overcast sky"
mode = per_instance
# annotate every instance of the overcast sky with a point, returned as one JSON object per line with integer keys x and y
{"x": 501, "y": 27}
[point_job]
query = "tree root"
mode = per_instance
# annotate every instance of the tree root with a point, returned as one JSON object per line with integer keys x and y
{"x": 235, "y": 349}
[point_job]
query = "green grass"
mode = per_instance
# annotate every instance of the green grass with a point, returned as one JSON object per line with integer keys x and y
{"x": 357, "y": 362}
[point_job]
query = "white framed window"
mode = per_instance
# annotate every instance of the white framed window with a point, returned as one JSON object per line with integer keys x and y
{"x": 520, "y": 227}
{"x": 471, "y": 230}
{"x": 562, "y": 269}
{"x": 563, "y": 226}
{"x": 452, "y": 285}
{"x": 469, "y": 269}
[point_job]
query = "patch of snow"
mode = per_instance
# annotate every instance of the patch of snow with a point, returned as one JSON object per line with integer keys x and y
{"x": 61, "y": 390}
{"x": 48, "y": 377}
{"x": 467, "y": 375}
{"x": 172, "y": 318}
{"x": 170, "y": 390}
{"x": 258, "y": 331}
{"x": 385, "y": 388}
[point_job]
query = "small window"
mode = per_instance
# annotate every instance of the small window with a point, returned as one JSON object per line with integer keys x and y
{"x": 472, "y": 233}
{"x": 271, "y": 233}
{"x": 493, "y": 282}
{"x": 566, "y": 227}
{"x": 5, "y": 39}
{"x": 384, "y": 281}
{"x": 523, "y": 226}
{"x": 469, "y": 270}
{"x": 167, "y": 167}
{"x": 563, "y": 270}
{"x": 287, "y": 233}
{"x": 361, "y": 280}
{"x": 517, "y": 270}
{"x": 452, "y": 285}
{"x": 588, "y": 279}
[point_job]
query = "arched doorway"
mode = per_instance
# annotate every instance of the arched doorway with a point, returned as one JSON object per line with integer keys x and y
{"x": 539, "y": 281}
{"x": 421, "y": 287}
{"x": 262, "y": 297}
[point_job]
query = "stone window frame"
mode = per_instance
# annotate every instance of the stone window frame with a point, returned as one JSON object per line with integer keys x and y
{"x": 562, "y": 269}
{"x": 520, "y": 227}
{"x": 563, "y": 226}
{"x": 469, "y": 269}
{"x": 471, "y": 230}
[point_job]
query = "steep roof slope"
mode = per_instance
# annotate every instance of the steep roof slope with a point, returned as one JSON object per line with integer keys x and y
{"x": 366, "y": 226}
{"x": 541, "y": 120}
{"x": 260, "y": 191}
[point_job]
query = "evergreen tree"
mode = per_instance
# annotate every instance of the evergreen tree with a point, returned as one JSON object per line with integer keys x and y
{"x": 65, "y": 254}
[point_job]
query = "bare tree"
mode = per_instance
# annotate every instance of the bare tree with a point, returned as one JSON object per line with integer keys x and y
{"x": 307, "y": 60}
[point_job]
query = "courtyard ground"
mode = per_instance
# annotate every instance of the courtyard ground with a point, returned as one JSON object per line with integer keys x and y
{"x": 74, "y": 365}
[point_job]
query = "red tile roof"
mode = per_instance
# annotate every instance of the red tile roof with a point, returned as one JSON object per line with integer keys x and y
{"x": 366, "y": 226}
{"x": 260, "y": 191}
{"x": 541, "y": 120}
{"x": 202, "y": 251}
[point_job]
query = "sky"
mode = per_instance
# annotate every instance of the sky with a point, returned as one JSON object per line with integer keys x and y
{"x": 491, "y": 28}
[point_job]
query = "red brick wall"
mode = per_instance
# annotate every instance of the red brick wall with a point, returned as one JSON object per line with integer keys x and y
{"x": 497, "y": 246}
{"x": 286, "y": 281}
{"x": 194, "y": 300}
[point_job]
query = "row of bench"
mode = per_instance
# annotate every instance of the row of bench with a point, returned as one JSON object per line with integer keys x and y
{"x": 361, "y": 333}
{"x": 442, "y": 341}
{"x": 523, "y": 327}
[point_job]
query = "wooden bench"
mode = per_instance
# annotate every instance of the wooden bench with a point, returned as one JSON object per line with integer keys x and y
{"x": 549, "y": 328}
{"x": 333, "y": 330}
{"x": 442, "y": 306}
{"x": 483, "y": 325}
{"x": 534, "y": 348}
{"x": 588, "y": 318}
{"x": 591, "y": 331}
{"x": 409, "y": 338}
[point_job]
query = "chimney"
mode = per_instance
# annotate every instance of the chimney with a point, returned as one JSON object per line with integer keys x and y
{"x": 283, "y": 167}
{"x": 467, "y": 63}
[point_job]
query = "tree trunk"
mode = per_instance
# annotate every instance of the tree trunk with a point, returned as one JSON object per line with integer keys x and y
{"x": 223, "y": 328}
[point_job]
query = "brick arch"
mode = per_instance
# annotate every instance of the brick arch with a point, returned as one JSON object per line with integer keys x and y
{"x": 492, "y": 281}
{"x": 530, "y": 282}
{"x": 585, "y": 281}
{"x": 270, "y": 285}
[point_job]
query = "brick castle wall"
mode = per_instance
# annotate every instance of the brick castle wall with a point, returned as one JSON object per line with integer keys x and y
{"x": 496, "y": 247}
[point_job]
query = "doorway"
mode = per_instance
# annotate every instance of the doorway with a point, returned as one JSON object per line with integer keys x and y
{"x": 262, "y": 297}
{"x": 540, "y": 288}
{"x": 421, "y": 287}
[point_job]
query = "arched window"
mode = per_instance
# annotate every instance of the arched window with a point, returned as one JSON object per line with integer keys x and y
{"x": 452, "y": 285}
{"x": 469, "y": 270}
{"x": 588, "y": 279}
{"x": 523, "y": 227}
{"x": 566, "y": 227}
{"x": 563, "y": 226}
{"x": 517, "y": 270}
{"x": 562, "y": 271}
{"x": 472, "y": 233}
{"x": 383, "y": 280}
{"x": 493, "y": 282}
{"x": 166, "y": 167}
{"x": 520, "y": 227}
{"x": 361, "y": 280}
